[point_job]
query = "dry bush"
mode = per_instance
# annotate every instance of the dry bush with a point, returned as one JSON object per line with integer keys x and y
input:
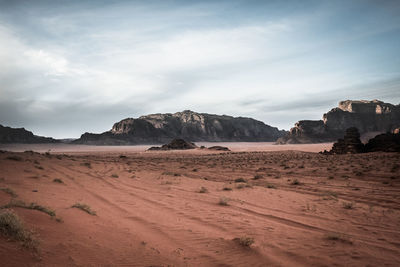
{"x": 203, "y": 190}
{"x": 31, "y": 206}
{"x": 223, "y": 201}
{"x": 9, "y": 191}
{"x": 86, "y": 208}
{"x": 244, "y": 241}
{"x": 58, "y": 181}
{"x": 12, "y": 227}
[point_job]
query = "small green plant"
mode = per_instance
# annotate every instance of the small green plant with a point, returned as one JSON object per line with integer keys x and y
{"x": 86, "y": 208}
{"x": 9, "y": 191}
{"x": 223, "y": 201}
{"x": 244, "y": 241}
{"x": 12, "y": 227}
{"x": 203, "y": 190}
{"x": 56, "y": 180}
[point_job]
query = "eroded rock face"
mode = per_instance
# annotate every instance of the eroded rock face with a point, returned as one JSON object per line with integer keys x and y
{"x": 388, "y": 142}
{"x": 350, "y": 144}
{"x": 367, "y": 116}
{"x": 188, "y": 125}
{"x": 20, "y": 135}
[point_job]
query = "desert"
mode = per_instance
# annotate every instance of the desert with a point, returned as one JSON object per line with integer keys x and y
{"x": 202, "y": 208}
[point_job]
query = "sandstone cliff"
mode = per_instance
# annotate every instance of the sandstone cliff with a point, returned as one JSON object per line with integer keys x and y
{"x": 369, "y": 117}
{"x": 188, "y": 125}
{"x": 20, "y": 135}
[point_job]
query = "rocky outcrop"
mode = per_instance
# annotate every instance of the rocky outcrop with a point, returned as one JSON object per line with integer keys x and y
{"x": 369, "y": 117}
{"x": 188, "y": 125}
{"x": 388, "y": 142}
{"x": 350, "y": 144}
{"x": 20, "y": 135}
{"x": 176, "y": 144}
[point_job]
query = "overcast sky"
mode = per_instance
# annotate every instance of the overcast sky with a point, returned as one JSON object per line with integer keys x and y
{"x": 68, "y": 67}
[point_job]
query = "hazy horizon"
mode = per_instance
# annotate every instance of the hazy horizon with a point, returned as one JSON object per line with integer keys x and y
{"x": 69, "y": 67}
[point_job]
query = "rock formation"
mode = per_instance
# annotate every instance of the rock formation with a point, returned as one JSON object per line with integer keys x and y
{"x": 350, "y": 144}
{"x": 20, "y": 135}
{"x": 388, "y": 142}
{"x": 188, "y": 125}
{"x": 176, "y": 144}
{"x": 369, "y": 117}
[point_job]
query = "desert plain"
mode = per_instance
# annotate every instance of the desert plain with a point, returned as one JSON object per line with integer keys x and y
{"x": 258, "y": 205}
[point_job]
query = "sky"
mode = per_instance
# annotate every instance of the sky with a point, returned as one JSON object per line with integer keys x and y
{"x": 69, "y": 67}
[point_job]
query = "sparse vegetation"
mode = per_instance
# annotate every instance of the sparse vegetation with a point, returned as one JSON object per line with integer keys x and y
{"x": 56, "y": 180}
{"x": 257, "y": 176}
{"x": 86, "y": 164}
{"x": 227, "y": 188}
{"x": 203, "y": 190}
{"x": 348, "y": 205}
{"x": 86, "y": 208}
{"x": 15, "y": 158}
{"x": 223, "y": 201}
{"x": 295, "y": 182}
{"x": 12, "y": 227}
{"x": 338, "y": 237}
{"x": 114, "y": 175}
{"x": 9, "y": 191}
{"x": 240, "y": 180}
{"x": 31, "y": 206}
{"x": 244, "y": 241}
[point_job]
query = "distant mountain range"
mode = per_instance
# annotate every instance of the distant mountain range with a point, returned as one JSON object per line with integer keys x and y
{"x": 188, "y": 125}
{"x": 20, "y": 135}
{"x": 369, "y": 117}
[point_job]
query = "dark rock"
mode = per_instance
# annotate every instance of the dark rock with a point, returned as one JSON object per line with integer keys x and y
{"x": 219, "y": 148}
{"x": 176, "y": 144}
{"x": 350, "y": 144}
{"x": 188, "y": 125}
{"x": 20, "y": 135}
{"x": 369, "y": 117}
{"x": 389, "y": 142}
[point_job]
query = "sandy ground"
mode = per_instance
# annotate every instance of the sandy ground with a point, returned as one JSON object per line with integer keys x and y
{"x": 84, "y": 149}
{"x": 301, "y": 208}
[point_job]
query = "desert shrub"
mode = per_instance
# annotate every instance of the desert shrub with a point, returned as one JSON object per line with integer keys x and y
{"x": 12, "y": 227}
{"x": 257, "y": 176}
{"x": 9, "y": 191}
{"x": 114, "y": 175}
{"x": 338, "y": 237}
{"x": 240, "y": 180}
{"x": 203, "y": 190}
{"x": 86, "y": 208}
{"x": 56, "y": 180}
{"x": 15, "y": 158}
{"x": 86, "y": 164}
{"x": 271, "y": 186}
{"x": 31, "y": 206}
{"x": 348, "y": 205}
{"x": 227, "y": 189}
{"x": 244, "y": 241}
{"x": 295, "y": 182}
{"x": 122, "y": 156}
{"x": 223, "y": 201}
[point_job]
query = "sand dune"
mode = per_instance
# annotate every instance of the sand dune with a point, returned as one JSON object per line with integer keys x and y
{"x": 301, "y": 208}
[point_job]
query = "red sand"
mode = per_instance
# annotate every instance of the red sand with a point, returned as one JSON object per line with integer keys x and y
{"x": 150, "y": 211}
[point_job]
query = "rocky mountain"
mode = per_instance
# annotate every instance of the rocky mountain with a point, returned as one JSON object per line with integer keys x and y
{"x": 20, "y": 135}
{"x": 369, "y": 117}
{"x": 188, "y": 125}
